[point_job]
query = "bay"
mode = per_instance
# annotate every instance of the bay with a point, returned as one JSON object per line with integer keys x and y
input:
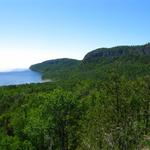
{"x": 20, "y": 77}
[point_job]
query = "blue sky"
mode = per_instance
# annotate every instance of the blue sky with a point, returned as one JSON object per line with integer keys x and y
{"x": 36, "y": 30}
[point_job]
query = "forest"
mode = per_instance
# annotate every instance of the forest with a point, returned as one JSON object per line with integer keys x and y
{"x": 99, "y": 103}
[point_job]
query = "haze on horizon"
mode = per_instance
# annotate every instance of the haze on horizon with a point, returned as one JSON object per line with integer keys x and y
{"x": 32, "y": 31}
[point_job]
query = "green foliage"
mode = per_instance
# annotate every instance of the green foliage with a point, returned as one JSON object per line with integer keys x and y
{"x": 112, "y": 114}
{"x": 53, "y": 68}
{"x": 132, "y": 61}
{"x": 103, "y": 103}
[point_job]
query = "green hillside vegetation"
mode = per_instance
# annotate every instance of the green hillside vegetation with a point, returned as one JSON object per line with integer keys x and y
{"x": 132, "y": 61}
{"x": 55, "y": 68}
{"x": 99, "y": 103}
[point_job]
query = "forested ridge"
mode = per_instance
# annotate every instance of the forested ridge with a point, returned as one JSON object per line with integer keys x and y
{"x": 133, "y": 60}
{"x": 99, "y": 103}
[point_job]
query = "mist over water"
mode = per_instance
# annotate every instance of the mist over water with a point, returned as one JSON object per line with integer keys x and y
{"x": 19, "y": 76}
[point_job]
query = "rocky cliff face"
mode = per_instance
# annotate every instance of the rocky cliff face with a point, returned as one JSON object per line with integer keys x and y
{"x": 117, "y": 52}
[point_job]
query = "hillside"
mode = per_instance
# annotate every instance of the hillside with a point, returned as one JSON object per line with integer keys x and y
{"x": 99, "y": 103}
{"x": 53, "y": 68}
{"x": 131, "y": 61}
{"x": 119, "y": 51}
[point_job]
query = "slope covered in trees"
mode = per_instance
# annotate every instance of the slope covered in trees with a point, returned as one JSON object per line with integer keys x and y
{"x": 56, "y": 67}
{"x": 104, "y": 104}
{"x": 131, "y": 61}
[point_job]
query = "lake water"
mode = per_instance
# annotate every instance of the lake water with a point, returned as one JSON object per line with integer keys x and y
{"x": 19, "y": 77}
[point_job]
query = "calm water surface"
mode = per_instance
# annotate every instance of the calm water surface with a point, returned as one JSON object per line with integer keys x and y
{"x": 19, "y": 77}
